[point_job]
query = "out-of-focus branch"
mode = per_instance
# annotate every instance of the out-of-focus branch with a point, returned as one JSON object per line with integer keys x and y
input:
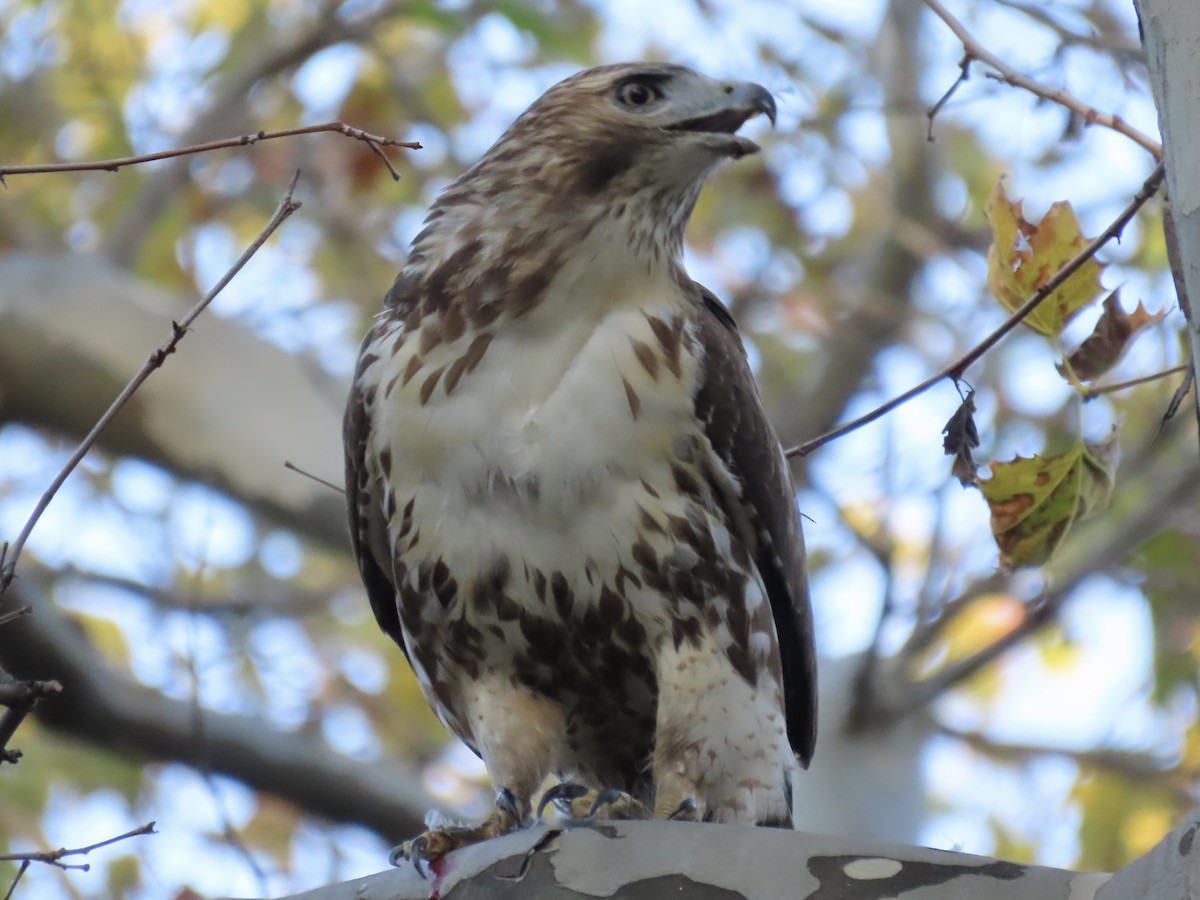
{"x": 873, "y": 302}
{"x": 110, "y": 710}
{"x": 1131, "y": 764}
{"x": 10, "y": 555}
{"x": 1007, "y": 74}
{"x": 270, "y": 599}
{"x": 262, "y": 59}
{"x": 882, "y": 702}
{"x": 1116, "y": 46}
{"x": 19, "y": 698}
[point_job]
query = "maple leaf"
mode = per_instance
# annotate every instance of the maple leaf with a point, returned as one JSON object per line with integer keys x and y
{"x": 1036, "y": 500}
{"x": 1024, "y": 256}
{"x": 1114, "y": 331}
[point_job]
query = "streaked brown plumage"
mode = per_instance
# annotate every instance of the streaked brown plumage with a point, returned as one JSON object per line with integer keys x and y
{"x": 568, "y": 506}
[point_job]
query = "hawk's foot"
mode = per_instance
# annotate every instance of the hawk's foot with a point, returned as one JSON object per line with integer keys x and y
{"x": 430, "y": 846}
{"x": 577, "y": 801}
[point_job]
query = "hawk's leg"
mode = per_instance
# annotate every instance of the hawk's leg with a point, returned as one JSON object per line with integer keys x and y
{"x": 721, "y": 752}
{"x": 430, "y": 846}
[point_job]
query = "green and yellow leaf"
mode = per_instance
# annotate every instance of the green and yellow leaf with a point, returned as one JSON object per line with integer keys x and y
{"x": 1024, "y": 256}
{"x": 1034, "y": 501}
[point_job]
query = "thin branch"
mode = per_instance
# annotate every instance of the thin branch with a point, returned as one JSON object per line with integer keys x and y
{"x": 317, "y": 478}
{"x": 10, "y": 555}
{"x": 1009, "y": 75}
{"x": 963, "y": 75}
{"x": 956, "y": 369}
{"x": 374, "y": 141}
{"x": 20, "y": 872}
{"x": 55, "y": 857}
{"x": 1093, "y": 393}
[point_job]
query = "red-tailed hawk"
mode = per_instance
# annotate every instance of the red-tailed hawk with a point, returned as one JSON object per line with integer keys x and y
{"x": 568, "y": 506}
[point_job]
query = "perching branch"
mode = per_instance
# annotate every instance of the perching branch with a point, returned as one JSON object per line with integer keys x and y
{"x": 956, "y": 370}
{"x": 1005, "y": 73}
{"x": 10, "y": 555}
{"x": 374, "y": 141}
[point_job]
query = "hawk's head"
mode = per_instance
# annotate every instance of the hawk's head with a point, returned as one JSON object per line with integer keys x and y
{"x": 633, "y": 142}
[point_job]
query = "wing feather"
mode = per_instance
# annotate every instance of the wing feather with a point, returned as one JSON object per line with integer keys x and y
{"x": 364, "y": 502}
{"x": 736, "y": 424}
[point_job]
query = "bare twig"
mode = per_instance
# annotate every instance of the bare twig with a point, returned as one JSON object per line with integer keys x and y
{"x": 956, "y": 369}
{"x": 317, "y": 478}
{"x": 55, "y": 857}
{"x": 1008, "y": 75}
{"x": 963, "y": 75}
{"x": 20, "y": 871}
{"x": 374, "y": 141}
{"x": 1093, "y": 393}
{"x": 10, "y": 554}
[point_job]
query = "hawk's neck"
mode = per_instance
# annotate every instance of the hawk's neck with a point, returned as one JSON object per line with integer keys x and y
{"x": 502, "y": 262}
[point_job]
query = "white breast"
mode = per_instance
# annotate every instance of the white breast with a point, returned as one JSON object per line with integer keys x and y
{"x": 540, "y": 453}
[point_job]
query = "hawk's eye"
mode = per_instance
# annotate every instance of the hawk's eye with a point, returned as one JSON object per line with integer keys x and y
{"x": 638, "y": 94}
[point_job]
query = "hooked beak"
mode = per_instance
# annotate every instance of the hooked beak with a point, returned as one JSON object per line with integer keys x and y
{"x": 743, "y": 101}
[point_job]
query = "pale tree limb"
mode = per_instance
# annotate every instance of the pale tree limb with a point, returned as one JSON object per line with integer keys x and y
{"x": 645, "y": 859}
{"x": 10, "y": 554}
{"x": 958, "y": 368}
{"x": 1171, "y": 35}
{"x": 1007, "y": 74}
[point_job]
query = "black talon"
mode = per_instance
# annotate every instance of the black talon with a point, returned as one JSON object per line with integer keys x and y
{"x": 507, "y": 802}
{"x": 411, "y": 851}
{"x": 686, "y": 808}
{"x": 604, "y": 798}
{"x": 565, "y": 790}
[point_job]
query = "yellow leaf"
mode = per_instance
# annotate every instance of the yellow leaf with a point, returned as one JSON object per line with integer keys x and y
{"x": 1024, "y": 256}
{"x": 1035, "y": 501}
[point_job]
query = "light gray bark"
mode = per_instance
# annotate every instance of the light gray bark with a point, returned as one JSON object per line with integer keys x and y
{"x": 1171, "y": 36}
{"x": 644, "y": 860}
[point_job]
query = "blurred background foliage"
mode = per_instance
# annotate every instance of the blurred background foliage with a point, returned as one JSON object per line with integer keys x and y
{"x": 188, "y": 590}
